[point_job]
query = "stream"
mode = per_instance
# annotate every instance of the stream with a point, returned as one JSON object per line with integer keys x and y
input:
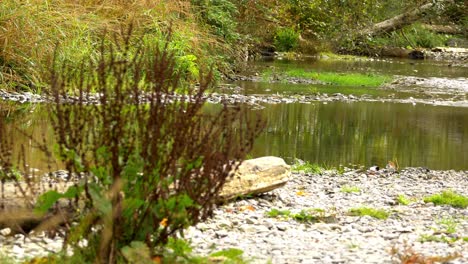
{"x": 332, "y": 133}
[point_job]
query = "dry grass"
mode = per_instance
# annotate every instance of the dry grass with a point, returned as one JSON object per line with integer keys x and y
{"x": 30, "y": 31}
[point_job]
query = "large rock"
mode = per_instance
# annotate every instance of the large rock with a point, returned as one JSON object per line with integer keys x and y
{"x": 256, "y": 176}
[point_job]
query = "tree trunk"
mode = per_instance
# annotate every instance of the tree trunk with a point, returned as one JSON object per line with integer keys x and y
{"x": 396, "y": 22}
{"x": 444, "y": 29}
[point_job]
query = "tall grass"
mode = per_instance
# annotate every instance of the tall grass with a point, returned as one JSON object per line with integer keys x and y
{"x": 31, "y": 30}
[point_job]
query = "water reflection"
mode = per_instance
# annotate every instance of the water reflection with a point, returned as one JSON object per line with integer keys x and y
{"x": 368, "y": 134}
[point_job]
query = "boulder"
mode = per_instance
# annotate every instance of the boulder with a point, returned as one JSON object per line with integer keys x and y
{"x": 256, "y": 176}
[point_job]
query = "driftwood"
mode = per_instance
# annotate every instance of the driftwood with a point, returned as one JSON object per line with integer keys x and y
{"x": 252, "y": 177}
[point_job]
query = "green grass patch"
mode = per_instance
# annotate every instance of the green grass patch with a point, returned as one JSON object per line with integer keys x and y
{"x": 449, "y": 224}
{"x": 313, "y": 215}
{"x": 342, "y": 79}
{"x": 273, "y": 213}
{"x": 350, "y": 189}
{"x": 307, "y": 167}
{"x": 438, "y": 238}
{"x": 376, "y": 213}
{"x": 403, "y": 200}
{"x": 448, "y": 197}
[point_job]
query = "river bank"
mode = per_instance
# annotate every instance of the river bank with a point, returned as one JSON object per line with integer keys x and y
{"x": 430, "y": 91}
{"x": 327, "y": 232}
{"x": 335, "y": 236}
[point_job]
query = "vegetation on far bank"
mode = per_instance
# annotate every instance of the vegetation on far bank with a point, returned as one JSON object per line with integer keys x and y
{"x": 219, "y": 33}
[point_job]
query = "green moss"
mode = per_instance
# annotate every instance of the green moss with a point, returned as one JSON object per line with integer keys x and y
{"x": 448, "y": 197}
{"x": 376, "y": 213}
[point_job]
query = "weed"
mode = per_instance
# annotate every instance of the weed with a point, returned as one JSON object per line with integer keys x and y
{"x": 376, "y": 213}
{"x": 273, "y": 213}
{"x": 448, "y": 197}
{"x": 307, "y": 167}
{"x": 437, "y": 238}
{"x": 313, "y": 215}
{"x": 305, "y": 217}
{"x": 350, "y": 189}
{"x": 449, "y": 224}
{"x": 403, "y": 200}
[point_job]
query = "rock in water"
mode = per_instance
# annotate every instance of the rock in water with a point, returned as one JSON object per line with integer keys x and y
{"x": 257, "y": 176}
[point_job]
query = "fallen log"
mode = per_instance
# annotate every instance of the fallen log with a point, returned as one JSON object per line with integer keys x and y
{"x": 397, "y": 22}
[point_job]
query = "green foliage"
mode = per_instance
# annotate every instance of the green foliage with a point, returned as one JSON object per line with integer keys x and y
{"x": 350, "y": 189}
{"x": 273, "y": 213}
{"x": 219, "y": 15}
{"x": 448, "y": 197}
{"x": 307, "y": 167}
{"x": 376, "y": 213}
{"x": 313, "y": 215}
{"x": 305, "y": 216}
{"x": 232, "y": 255}
{"x": 414, "y": 36}
{"x": 286, "y": 39}
{"x": 449, "y": 224}
{"x": 137, "y": 252}
{"x": 403, "y": 200}
{"x": 438, "y": 238}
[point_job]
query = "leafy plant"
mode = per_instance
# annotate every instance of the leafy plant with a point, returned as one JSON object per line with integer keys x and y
{"x": 150, "y": 161}
{"x": 448, "y": 197}
{"x": 376, "y": 213}
{"x": 286, "y": 39}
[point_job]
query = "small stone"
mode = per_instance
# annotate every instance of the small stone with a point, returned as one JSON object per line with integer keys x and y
{"x": 5, "y": 231}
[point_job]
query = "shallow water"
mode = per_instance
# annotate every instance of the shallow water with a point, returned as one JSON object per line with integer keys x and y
{"x": 367, "y": 133}
{"x": 331, "y": 134}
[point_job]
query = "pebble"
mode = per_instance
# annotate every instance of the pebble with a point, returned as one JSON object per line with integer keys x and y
{"x": 336, "y": 237}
